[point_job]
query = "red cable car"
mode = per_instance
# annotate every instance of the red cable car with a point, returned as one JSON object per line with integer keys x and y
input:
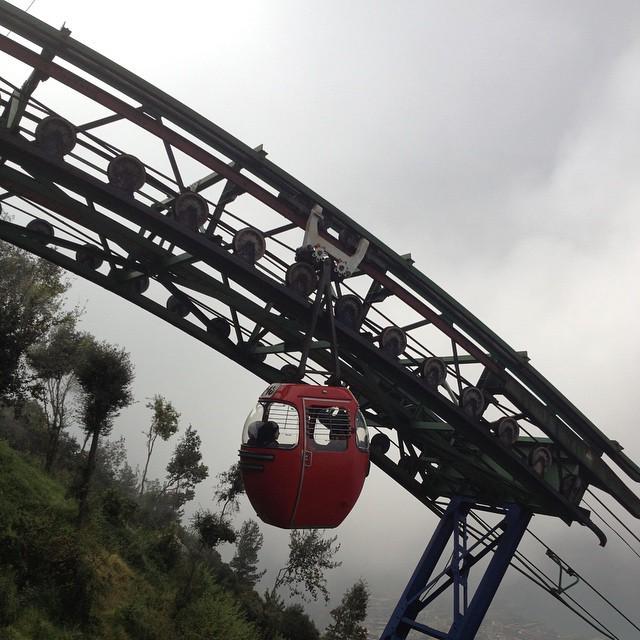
{"x": 304, "y": 455}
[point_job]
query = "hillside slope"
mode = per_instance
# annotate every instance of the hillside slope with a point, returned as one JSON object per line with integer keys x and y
{"x": 118, "y": 578}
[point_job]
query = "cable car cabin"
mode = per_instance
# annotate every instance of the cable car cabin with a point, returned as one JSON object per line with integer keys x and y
{"x": 304, "y": 455}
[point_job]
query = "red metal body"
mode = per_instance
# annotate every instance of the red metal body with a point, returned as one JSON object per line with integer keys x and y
{"x": 312, "y": 475}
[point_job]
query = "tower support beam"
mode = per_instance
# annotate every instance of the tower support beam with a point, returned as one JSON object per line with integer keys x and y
{"x": 451, "y": 541}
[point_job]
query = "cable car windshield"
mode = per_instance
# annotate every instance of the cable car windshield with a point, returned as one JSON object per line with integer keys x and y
{"x": 251, "y": 423}
{"x": 362, "y": 433}
{"x": 272, "y": 424}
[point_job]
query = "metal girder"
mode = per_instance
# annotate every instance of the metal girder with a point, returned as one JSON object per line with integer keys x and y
{"x": 169, "y": 108}
{"x": 590, "y": 459}
{"x": 199, "y": 185}
{"x": 437, "y": 319}
{"x": 398, "y": 393}
{"x": 17, "y": 236}
{"x": 460, "y": 359}
{"x": 47, "y": 194}
{"x": 199, "y": 246}
{"x": 17, "y": 104}
{"x": 476, "y": 432}
{"x": 355, "y": 345}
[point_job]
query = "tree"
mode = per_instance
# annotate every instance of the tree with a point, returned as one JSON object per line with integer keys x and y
{"x": 280, "y": 622}
{"x": 310, "y": 556}
{"x": 54, "y": 361}
{"x": 229, "y": 489}
{"x": 31, "y": 296}
{"x": 113, "y": 469}
{"x": 157, "y": 508}
{"x": 185, "y": 470}
{"x": 213, "y": 615}
{"x": 349, "y": 615}
{"x": 212, "y": 529}
{"x": 295, "y": 624}
{"x": 105, "y": 375}
{"x": 248, "y": 545}
{"x": 164, "y": 424}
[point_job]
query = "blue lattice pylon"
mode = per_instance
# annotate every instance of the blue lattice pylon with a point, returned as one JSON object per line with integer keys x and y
{"x": 426, "y": 585}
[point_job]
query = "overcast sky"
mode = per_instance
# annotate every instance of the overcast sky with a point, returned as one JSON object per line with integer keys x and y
{"x": 498, "y": 142}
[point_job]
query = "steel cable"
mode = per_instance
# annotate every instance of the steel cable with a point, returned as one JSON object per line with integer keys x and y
{"x": 614, "y": 530}
{"x": 594, "y": 623}
{"x": 615, "y": 517}
{"x": 545, "y": 582}
{"x": 587, "y": 583}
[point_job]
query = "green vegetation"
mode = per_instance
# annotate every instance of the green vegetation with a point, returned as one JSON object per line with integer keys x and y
{"x": 88, "y": 548}
{"x": 349, "y": 615}
{"x": 104, "y": 375}
{"x": 31, "y": 293}
{"x": 310, "y": 556}
{"x": 121, "y": 575}
{"x": 245, "y": 562}
{"x": 164, "y": 424}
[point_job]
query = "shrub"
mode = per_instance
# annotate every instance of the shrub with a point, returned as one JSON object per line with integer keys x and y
{"x": 117, "y": 508}
{"x": 214, "y": 616}
{"x": 8, "y": 599}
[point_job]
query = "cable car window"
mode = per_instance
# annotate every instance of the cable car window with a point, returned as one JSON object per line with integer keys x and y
{"x": 362, "y": 433}
{"x": 328, "y": 427}
{"x": 272, "y": 424}
{"x": 286, "y": 417}
{"x": 252, "y": 423}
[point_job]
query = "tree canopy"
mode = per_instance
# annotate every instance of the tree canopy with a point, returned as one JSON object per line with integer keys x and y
{"x": 53, "y": 361}
{"x": 185, "y": 469}
{"x": 31, "y": 297}
{"x": 105, "y": 375}
{"x": 212, "y": 529}
{"x": 122, "y": 571}
{"x": 310, "y": 556}
{"x": 349, "y": 615}
{"x": 164, "y": 424}
{"x": 229, "y": 489}
{"x": 245, "y": 560}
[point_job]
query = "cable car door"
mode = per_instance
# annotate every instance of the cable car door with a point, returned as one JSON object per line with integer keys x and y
{"x": 324, "y": 498}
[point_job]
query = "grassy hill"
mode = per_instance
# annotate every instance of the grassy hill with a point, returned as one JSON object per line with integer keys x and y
{"x": 121, "y": 576}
